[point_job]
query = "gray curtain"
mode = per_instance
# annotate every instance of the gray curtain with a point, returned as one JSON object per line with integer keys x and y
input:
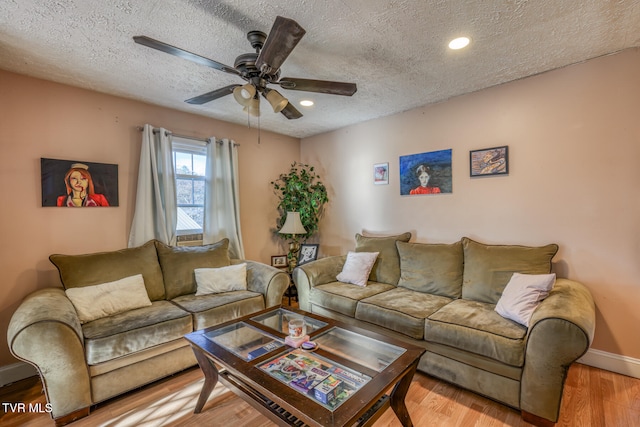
{"x": 155, "y": 215}
{"x": 222, "y": 202}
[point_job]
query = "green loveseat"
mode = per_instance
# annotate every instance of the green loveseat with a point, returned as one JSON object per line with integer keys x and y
{"x": 81, "y": 364}
{"x": 443, "y": 297}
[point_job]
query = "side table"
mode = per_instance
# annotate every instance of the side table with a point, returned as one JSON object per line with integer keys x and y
{"x": 291, "y": 291}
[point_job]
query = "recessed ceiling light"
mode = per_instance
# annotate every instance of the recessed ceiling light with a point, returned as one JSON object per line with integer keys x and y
{"x": 459, "y": 43}
{"x": 306, "y": 103}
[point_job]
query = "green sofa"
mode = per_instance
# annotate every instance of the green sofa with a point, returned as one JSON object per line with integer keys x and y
{"x": 443, "y": 297}
{"x": 83, "y": 363}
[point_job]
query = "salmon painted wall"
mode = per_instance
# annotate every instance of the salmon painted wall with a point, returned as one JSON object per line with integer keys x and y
{"x": 574, "y": 147}
{"x": 44, "y": 119}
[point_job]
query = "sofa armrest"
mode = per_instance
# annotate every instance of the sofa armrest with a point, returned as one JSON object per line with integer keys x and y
{"x": 561, "y": 330}
{"x": 316, "y": 273}
{"x": 45, "y": 332}
{"x": 269, "y": 281}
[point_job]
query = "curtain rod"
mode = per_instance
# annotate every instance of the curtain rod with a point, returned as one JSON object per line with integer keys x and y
{"x": 167, "y": 133}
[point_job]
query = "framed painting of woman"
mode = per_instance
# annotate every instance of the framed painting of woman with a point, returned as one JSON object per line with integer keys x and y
{"x": 72, "y": 183}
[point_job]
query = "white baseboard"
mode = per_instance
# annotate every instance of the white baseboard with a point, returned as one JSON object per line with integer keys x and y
{"x": 16, "y": 372}
{"x": 612, "y": 362}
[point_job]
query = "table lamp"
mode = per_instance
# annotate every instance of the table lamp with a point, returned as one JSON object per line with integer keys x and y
{"x": 293, "y": 226}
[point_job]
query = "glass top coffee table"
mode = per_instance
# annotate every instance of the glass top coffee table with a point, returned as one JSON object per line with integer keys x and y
{"x": 340, "y": 383}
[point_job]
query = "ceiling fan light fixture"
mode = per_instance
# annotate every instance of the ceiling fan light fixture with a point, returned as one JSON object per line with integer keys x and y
{"x": 277, "y": 101}
{"x": 244, "y": 94}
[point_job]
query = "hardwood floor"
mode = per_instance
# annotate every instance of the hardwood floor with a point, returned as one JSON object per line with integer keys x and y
{"x": 592, "y": 398}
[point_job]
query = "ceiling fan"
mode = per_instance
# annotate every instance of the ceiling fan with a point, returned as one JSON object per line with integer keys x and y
{"x": 259, "y": 69}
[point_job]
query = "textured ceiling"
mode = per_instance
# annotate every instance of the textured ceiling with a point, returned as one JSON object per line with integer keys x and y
{"x": 394, "y": 50}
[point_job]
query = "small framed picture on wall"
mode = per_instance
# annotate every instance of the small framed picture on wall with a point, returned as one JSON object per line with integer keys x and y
{"x": 489, "y": 161}
{"x": 381, "y": 173}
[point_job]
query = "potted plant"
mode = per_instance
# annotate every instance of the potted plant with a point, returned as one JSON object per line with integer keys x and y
{"x": 300, "y": 190}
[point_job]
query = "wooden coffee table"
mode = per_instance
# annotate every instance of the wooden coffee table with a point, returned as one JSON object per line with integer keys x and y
{"x": 341, "y": 383}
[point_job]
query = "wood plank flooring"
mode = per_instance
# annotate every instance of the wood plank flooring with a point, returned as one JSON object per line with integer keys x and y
{"x": 592, "y": 398}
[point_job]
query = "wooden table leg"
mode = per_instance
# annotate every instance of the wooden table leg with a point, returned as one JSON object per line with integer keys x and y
{"x": 210, "y": 377}
{"x": 398, "y": 395}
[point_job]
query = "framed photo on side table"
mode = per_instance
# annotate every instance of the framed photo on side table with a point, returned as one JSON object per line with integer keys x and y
{"x": 308, "y": 253}
{"x": 279, "y": 261}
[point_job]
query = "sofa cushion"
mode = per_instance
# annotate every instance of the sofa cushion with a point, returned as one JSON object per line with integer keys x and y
{"x": 357, "y": 267}
{"x": 387, "y": 266}
{"x": 488, "y": 268}
{"x": 401, "y": 310}
{"x": 475, "y": 327}
{"x": 93, "y": 269}
{"x": 213, "y": 309}
{"x": 342, "y": 297}
{"x": 179, "y": 262}
{"x": 135, "y": 330}
{"x": 431, "y": 268}
{"x": 98, "y": 301}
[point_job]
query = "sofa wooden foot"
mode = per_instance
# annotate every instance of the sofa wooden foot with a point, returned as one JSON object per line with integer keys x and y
{"x": 69, "y": 418}
{"x": 537, "y": 420}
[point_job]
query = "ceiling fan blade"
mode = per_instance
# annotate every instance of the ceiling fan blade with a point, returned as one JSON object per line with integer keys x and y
{"x": 322, "y": 86}
{"x": 172, "y": 50}
{"x": 210, "y": 96}
{"x": 284, "y": 36}
{"x": 290, "y": 112}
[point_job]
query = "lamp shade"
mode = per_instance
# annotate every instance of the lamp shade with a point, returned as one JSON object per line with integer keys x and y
{"x": 244, "y": 94}
{"x": 277, "y": 101}
{"x": 254, "y": 107}
{"x": 292, "y": 224}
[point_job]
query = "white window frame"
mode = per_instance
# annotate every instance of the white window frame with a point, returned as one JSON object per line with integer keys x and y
{"x": 188, "y": 146}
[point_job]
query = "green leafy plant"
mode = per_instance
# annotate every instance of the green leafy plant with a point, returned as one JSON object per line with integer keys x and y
{"x": 300, "y": 190}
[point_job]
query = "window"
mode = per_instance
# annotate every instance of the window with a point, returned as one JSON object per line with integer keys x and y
{"x": 189, "y": 160}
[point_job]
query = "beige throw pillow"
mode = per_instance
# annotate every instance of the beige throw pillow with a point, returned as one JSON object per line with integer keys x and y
{"x": 357, "y": 268}
{"x": 522, "y": 295}
{"x": 223, "y": 279}
{"x": 98, "y": 301}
